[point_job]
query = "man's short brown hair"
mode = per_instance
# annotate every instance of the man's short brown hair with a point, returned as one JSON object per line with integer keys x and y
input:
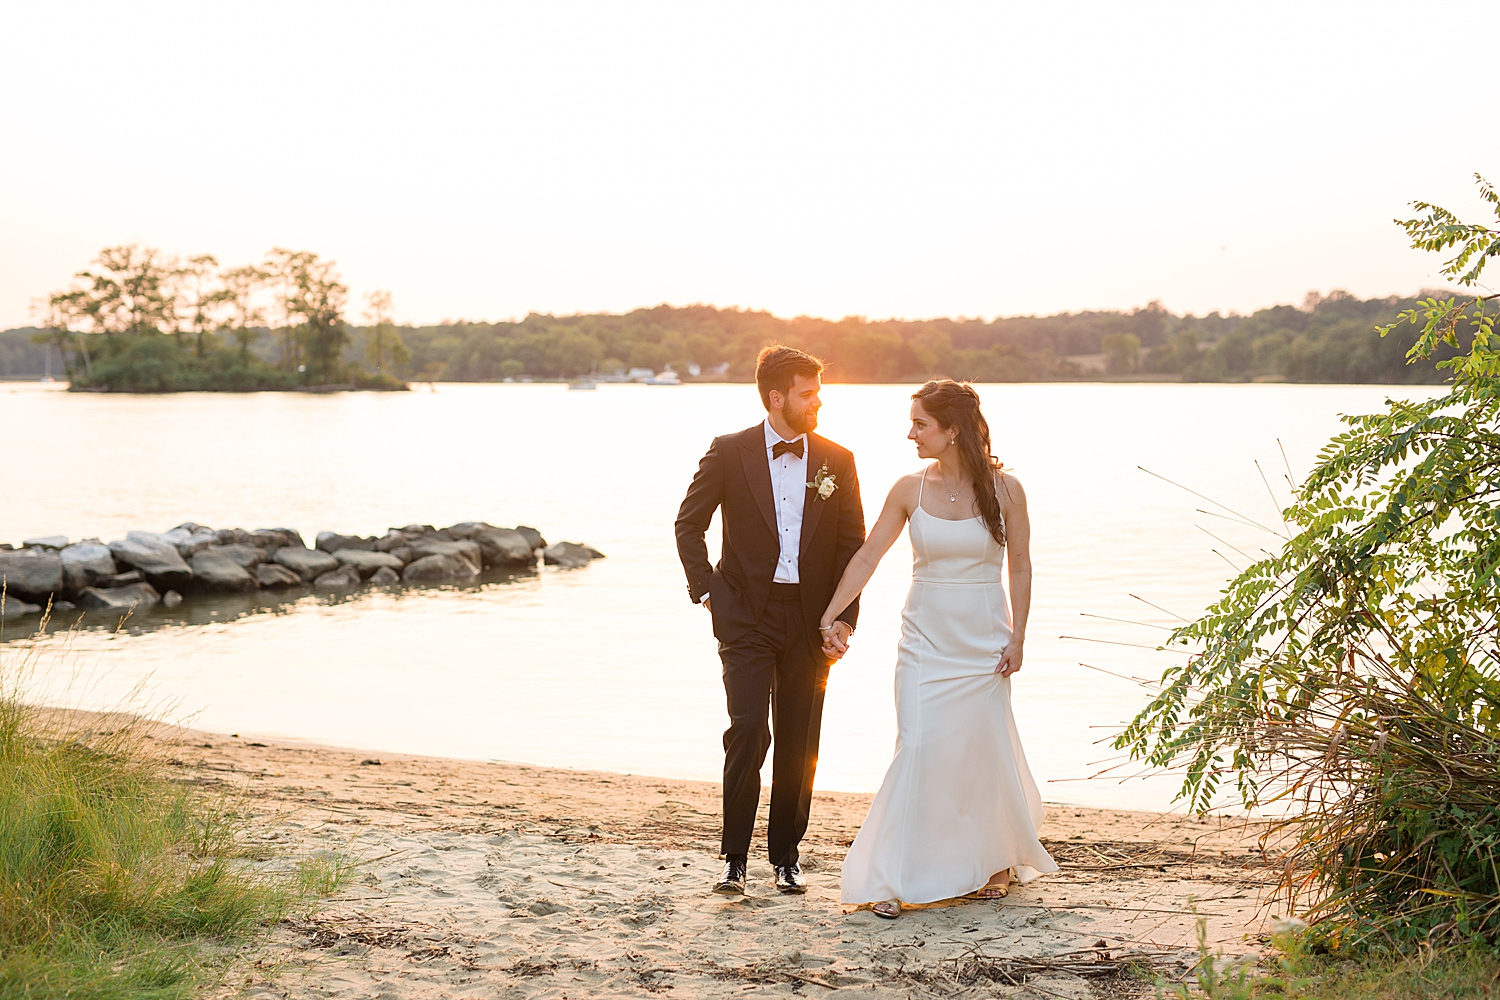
{"x": 776, "y": 367}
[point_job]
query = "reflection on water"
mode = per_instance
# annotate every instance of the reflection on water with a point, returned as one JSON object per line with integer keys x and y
{"x": 611, "y": 667}
{"x": 222, "y": 609}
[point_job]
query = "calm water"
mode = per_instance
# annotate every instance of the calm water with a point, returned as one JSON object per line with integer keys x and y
{"x": 610, "y": 667}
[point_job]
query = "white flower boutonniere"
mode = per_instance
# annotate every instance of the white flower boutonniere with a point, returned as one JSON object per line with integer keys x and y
{"x": 823, "y": 483}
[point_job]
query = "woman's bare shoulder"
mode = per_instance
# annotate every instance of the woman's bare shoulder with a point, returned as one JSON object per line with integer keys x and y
{"x": 905, "y": 489}
{"x": 1010, "y": 487}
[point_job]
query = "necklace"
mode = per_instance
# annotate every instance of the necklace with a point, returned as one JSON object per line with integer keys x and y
{"x": 952, "y": 494}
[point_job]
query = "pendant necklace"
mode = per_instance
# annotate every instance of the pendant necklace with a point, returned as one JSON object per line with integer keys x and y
{"x": 952, "y": 494}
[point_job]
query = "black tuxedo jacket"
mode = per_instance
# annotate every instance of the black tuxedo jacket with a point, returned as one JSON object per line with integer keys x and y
{"x": 735, "y": 477}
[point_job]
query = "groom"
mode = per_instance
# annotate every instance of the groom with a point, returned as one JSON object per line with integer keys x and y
{"x": 791, "y": 520}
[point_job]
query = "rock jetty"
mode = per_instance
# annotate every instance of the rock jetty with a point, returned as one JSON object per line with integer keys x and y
{"x": 146, "y": 568}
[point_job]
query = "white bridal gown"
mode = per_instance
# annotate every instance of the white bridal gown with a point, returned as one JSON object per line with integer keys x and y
{"x": 958, "y": 803}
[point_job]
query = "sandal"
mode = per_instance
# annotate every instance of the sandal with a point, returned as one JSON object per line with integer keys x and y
{"x": 890, "y": 909}
{"x": 993, "y": 889}
{"x": 989, "y": 892}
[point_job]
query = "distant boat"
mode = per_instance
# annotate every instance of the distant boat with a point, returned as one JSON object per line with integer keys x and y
{"x": 583, "y": 385}
{"x": 665, "y": 378}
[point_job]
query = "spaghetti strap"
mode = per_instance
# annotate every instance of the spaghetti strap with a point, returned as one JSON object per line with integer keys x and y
{"x": 997, "y": 501}
{"x": 920, "y": 484}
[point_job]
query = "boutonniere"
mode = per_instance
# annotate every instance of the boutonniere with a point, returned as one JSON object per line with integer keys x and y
{"x": 823, "y": 483}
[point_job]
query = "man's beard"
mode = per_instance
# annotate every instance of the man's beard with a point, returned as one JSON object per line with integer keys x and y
{"x": 803, "y": 422}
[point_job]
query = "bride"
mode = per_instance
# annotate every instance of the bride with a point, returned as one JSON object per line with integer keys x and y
{"x": 958, "y": 812}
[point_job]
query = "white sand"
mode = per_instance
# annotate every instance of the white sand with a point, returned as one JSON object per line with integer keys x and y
{"x": 495, "y": 880}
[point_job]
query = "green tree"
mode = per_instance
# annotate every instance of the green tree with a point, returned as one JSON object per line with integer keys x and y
{"x": 1122, "y": 351}
{"x": 312, "y": 300}
{"x": 385, "y": 346}
{"x": 240, "y": 286}
{"x": 1355, "y": 673}
{"x": 126, "y": 294}
{"x": 197, "y": 284}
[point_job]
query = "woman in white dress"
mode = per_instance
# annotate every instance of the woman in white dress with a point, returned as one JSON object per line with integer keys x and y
{"x": 958, "y": 812}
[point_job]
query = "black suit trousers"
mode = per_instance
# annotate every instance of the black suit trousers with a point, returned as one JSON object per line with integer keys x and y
{"x": 773, "y": 664}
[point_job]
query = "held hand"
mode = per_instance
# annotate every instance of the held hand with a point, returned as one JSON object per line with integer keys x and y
{"x": 707, "y": 601}
{"x": 836, "y": 639}
{"x": 1010, "y": 660}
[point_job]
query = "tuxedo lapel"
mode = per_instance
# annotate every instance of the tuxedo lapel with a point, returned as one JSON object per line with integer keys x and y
{"x": 812, "y": 507}
{"x": 758, "y": 474}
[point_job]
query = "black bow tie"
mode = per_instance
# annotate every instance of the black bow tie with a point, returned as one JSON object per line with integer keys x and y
{"x": 781, "y": 447}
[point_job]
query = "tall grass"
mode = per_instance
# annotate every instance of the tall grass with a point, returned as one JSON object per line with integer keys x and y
{"x": 115, "y": 881}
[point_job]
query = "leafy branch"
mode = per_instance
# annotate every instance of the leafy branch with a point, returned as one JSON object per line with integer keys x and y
{"x": 1354, "y": 675}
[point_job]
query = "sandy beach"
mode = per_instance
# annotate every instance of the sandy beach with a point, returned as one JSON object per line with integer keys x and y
{"x": 501, "y": 880}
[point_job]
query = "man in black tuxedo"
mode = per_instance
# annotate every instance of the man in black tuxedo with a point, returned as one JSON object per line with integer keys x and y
{"x": 791, "y": 519}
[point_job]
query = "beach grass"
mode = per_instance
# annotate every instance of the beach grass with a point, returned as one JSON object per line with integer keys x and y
{"x": 1297, "y": 970}
{"x": 115, "y": 880}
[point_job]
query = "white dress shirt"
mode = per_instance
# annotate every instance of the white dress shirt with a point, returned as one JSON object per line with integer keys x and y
{"x": 788, "y": 491}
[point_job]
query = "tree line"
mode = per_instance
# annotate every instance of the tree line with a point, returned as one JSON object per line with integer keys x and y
{"x": 141, "y": 320}
{"x": 1329, "y": 338}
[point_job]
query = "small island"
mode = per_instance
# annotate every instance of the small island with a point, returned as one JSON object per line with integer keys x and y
{"x": 143, "y": 321}
{"x": 146, "y": 568}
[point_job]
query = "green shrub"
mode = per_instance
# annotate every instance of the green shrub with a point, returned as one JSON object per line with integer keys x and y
{"x": 1354, "y": 676}
{"x": 155, "y": 363}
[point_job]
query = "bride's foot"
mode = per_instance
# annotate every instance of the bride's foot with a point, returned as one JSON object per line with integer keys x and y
{"x": 998, "y": 887}
{"x": 890, "y": 909}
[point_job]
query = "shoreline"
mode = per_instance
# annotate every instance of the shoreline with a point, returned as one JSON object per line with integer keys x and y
{"x": 484, "y": 876}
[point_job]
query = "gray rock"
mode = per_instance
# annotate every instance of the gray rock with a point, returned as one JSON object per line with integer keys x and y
{"x": 440, "y": 566}
{"x": 367, "y": 562}
{"x": 504, "y": 547}
{"x": 392, "y": 539}
{"x": 215, "y": 572}
{"x": 330, "y": 541}
{"x": 154, "y": 556}
{"x": 135, "y": 595}
{"x": 247, "y": 556}
{"x": 306, "y": 563}
{"x": 343, "y": 577}
{"x": 122, "y": 579}
{"x": 262, "y": 540}
{"x": 416, "y": 529}
{"x": 533, "y": 537}
{"x": 14, "y": 607}
{"x": 403, "y": 553}
{"x": 48, "y": 542}
{"x": 275, "y": 538}
{"x": 272, "y": 575}
{"x": 568, "y": 555}
{"x": 190, "y": 538}
{"x": 384, "y": 577}
{"x": 171, "y": 599}
{"x": 466, "y": 529}
{"x": 85, "y": 563}
{"x": 467, "y": 549}
{"x": 63, "y": 606}
{"x": 31, "y": 573}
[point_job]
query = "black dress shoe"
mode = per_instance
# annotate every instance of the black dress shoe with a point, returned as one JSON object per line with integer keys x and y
{"x": 732, "y": 879}
{"x": 789, "y": 879}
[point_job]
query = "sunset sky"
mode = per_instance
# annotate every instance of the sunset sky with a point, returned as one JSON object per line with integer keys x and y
{"x": 486, "y": 160}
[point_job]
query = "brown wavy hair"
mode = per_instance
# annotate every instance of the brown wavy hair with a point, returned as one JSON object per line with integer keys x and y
{"x": 956, "y": 405}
